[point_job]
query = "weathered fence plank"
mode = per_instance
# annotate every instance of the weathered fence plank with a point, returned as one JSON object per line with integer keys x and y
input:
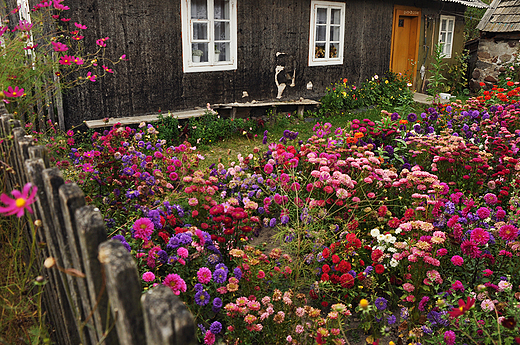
{"x": 92, "y": 232}
{"x": 167, "y": 320}
{"x": 124, "y": 292}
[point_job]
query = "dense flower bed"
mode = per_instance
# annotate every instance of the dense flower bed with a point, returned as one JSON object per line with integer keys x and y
{"x": 410, "y": 221}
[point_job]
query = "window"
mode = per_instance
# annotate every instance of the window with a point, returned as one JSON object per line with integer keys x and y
{"x": 209, "y": 35}
{"x": 446, "y": 34}
{"x": 327, "y": 33}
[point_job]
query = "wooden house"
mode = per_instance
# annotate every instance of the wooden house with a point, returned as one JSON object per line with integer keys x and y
{"x": 498, "y": 44}
{"x": 184, "y": 54}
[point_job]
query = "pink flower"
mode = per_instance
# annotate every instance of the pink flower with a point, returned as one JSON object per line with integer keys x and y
{"x": 91, "y": 77}
{"x": 59, "y": 47}
{"x": 107, "y": 69}
{"x": 175, "y": 282}
{"x": 22, "y": 201}
{"x": 16, "y": 92}
{"x": 66, "y": 60}
{"x": 479, "y": 236}
{"x": 123, "y": 57}
{"x": 487, "y": 272}
{"x": 457, "y": 260}
{"x": 408, "y": 287}
{"x": 143, "y": 228}
{"x": 79, "y": 26}
{"x": 268, "y": 168}
{"x": 209, "y": 338}
{"x": 24, "y": 25}
{"x": 183, "y": 252}
{"x": 148, "y": 277}
{"x": 101, "y": 42}
{"x": 78, "y": 61}
{"x": 470, "y": 248}
{"x": 442, "y": 252}
{"x": 508, "y": 232}
{"x": 204, "y": 275}
{"x": 261, "y": 274}
{"x": 3, "y": 29}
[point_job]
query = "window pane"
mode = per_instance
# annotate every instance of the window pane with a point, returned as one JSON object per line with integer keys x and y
{"x": 200, "y": 31}
{"x": 447, "y": 49}
{"x": 334, "y": 33}
{"x": 221, "y": 9}
{"x": 197, "y": 48}
{"x": 319, "y": 51}
{"x": 448, "y": 38}
{"x": 333, "y": 50}
{"x": 199, "y": 9}
{"x": 222, "y": 31}
{"x": 321, "y": 33}
{"x": 443, "y": 25}
{"x": 442, "y": 39}
{"x": 450, "y": 25}
{"x": 335, "y": 15}
{"x": 223, "y": 50}
{"x": 321, "y": 16}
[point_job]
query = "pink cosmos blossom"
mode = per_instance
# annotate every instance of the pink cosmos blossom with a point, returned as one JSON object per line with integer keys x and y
{"x": 91, "y": 77}
{"x": 24, "y": 25}
{"x": 101, "y": 42}
{"x": 66, "y": 60}
{"x": 143, "y": 228}
{"x": 107, "y": 69}
{"x": 16, "y": 92}
{"x": 22, "y": 200}
{"x": 3, "y": 29}
{"x": 80, "y": 26}
{"x": 78, "y": 61}
{"x": 59, "y": 47}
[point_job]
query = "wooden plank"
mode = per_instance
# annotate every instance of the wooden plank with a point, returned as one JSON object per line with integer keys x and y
{"x": 58, "y": 308}
{"x": 92, "y": 232}
{"x": 124, "y": 292}
{"x": 266, "y": 104}
{"x": 144, "y": 118}
{"x": 72, "y": 199}
{"x": 53, "y": 180}
{"x": 167, "y": 320}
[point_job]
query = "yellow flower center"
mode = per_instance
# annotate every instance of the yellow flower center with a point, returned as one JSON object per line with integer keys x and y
{"x": 20, "y": 202}
{"x": 14, "y": 93}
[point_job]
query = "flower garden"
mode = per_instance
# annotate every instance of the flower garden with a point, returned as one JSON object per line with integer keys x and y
{"x": 405, "y": 227}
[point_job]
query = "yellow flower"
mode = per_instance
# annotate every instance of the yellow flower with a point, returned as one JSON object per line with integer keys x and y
{"x": 363, "y": 304}
{"x": 386, "y": 81}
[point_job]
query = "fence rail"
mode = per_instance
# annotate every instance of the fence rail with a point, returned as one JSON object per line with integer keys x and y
{"x": 93, "y": 294}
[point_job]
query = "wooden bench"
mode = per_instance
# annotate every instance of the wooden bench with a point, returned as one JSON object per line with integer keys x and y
{"x": 234, "y": 106}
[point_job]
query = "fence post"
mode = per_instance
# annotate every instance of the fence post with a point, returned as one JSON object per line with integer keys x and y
{"x": 167, "y": 320}
{"x": 124, "y": 292}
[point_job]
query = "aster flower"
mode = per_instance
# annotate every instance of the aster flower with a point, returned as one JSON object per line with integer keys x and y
{"x": 143, "y": 228}
{"x": 215, "y": 327}
{"x": 508, "y": 232}
{"x": 22, "y": 201}
{"x": 381, "y": 303}
{"x": 220, "y": 276}
{"x": 175, "y": 282}
{"x": 202, "y": 298}
{"x": 204, "y": 275}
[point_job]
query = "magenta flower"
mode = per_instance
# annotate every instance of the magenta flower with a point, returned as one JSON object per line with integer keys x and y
{"x": 66, "y": 60}
{"x": 148, "y": 277}
{"x": 59, "y": 47}
{"x": 3, "y": 29}
{"x": 78, "y": 61}
{"x": 470, "y": 248}
{"x": 204, "y": 275}
{"x": 91, "y": 77}
{"x": 107, "y": 69}
{"x": 449, "y": 337}
{"x": 143, "y": 228}
{"x": 80, "y": 26}
{"x": 22, "y": 201}
{"x": 457, "y": 260}
{"x": 101, "y": 42}
{"x": 175, "y": 282}
{"x": 16, "y": 92}
{"x": 480, "y": 236}
{"x": 508, "y": 232}
{"x": 268, "y": 168}
{"x": 24, "y": 25}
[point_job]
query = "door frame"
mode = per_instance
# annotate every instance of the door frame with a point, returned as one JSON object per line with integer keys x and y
{"x": 408, "y": 11}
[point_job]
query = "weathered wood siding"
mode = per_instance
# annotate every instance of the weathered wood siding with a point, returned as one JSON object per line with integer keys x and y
{"x": 149, "y": 33}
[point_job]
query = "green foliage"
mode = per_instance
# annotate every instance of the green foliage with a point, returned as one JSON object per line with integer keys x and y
{"x": 437, "y": 80}
{"x": 457, "y": 80}
{"x": 169, "y": 129}
{"x": 473, "y": 16}
{"x": 392, "y": 90}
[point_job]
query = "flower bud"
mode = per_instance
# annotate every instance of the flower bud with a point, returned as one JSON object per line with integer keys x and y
{"x": 49, "y": 262}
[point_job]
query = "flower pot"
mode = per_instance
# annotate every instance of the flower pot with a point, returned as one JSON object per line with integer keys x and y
{"x": 217, "y": 56}
{"x": 195, "y": 58}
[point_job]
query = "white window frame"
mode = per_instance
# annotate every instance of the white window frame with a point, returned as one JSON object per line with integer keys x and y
{"x": 446, "y": 53}
{"x": 211, "y": 65}
{"x": 313, "y": 61}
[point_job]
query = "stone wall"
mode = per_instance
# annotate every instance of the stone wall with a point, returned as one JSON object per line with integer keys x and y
{"x": 493, "y": 57}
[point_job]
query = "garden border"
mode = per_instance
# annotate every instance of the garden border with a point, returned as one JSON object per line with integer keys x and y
{"x": 93, "y": 293}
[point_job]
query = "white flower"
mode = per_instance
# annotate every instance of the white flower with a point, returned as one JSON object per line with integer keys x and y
{"x": 380, "y": 237}
{"x": 398, "y": 231}
{"x": 389, "y": 238}
{"x": 374, "y": 232}
{"x": 392, "y": 249}
{"x": 394, "y": 262}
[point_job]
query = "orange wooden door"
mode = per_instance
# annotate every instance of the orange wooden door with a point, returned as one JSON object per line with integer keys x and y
{"x": 405, "y": 40}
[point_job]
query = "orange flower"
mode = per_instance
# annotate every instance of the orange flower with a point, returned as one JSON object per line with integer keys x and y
{"x": 403, "y": 122}
{"x": 358, "y": 135}
{"x": 351, "y": 140}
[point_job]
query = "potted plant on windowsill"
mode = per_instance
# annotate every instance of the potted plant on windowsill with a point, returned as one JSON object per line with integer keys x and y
{"x": 196, "y": 54}
{"x": 217, "y": 54}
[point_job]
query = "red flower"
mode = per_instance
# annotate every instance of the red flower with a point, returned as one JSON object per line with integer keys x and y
{"x": 376, "y": 255}
{"x": 344, "y": 266}
{"x": 379, "y": 269}
{"x": 325, "y": 253}
{"x": 463, "y": 307}
{"x": 346, "y": 280}
{"x": 335, "y": 258}
{"x": 325, "y": 268}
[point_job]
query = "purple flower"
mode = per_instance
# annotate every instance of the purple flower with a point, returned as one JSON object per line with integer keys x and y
{"x": 272, "y": 222}
{"x": 238, "y": 273}
{"x": 198, "y": 287}
{"x": 412, "y": 117}
{"x": 394, "y": 116}
{"x": 391, "y": 319}
{"x": 215, "y": 327}
{"x": 219, "y": 276}
{"x": 381, "y": 303}
{"x": 423, "y": 302}
{"x": 202, "y": 298}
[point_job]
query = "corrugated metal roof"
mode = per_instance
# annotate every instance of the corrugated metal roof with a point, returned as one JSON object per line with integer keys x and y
{"x": 470, "y": 3}
{"x": 501, "y": 16}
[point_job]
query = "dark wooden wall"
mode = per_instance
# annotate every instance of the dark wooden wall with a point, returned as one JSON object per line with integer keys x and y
{"x": 149, "y": 33}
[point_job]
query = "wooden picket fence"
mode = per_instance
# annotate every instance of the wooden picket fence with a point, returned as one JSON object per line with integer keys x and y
{"x": 93, "y": 294}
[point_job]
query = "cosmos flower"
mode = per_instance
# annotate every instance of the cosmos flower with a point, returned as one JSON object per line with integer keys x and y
{"x": 21, "y": 202}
